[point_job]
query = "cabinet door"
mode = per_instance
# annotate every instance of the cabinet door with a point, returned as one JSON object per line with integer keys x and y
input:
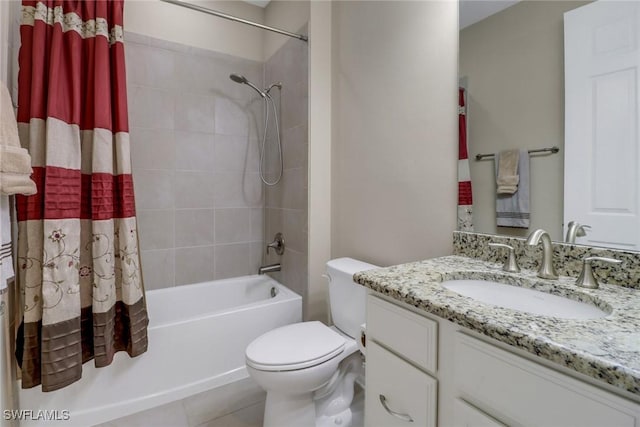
{"x": 465, "y": 415}
{"x": 397, "y": 392}
{"x": 530, "y": 394}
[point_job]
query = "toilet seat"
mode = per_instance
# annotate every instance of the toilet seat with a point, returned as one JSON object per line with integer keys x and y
{"x": 292, "y": 347}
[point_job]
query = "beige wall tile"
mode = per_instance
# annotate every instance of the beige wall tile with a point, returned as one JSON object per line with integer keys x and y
{"x": 194, "y": 265}
{"x": 195, "y": 189}
{"x": 158, "y": 268}
{"x": 232, "y": 260}
{"x": 194, "y": 227}
{"x": 194, "y": 151}
{"x": 156, "y": 229}
{"x": 233, "y": 225}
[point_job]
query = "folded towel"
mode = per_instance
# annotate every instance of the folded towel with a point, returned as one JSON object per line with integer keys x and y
{"x": 507, "y": 179}
{"x": 512, "y": 210}
{"x": 15, "y": 161}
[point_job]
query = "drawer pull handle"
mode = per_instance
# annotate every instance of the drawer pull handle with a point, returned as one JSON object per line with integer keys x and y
{"x": 403, "y": 417}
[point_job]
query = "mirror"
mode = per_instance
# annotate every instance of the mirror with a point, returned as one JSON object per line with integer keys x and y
{"x": 511, "y": 64}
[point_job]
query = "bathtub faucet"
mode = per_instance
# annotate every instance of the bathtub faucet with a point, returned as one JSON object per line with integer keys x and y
{"x": 269, "y": 268}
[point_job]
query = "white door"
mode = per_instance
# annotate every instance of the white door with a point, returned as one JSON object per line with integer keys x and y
{"x": 602, "y": 162}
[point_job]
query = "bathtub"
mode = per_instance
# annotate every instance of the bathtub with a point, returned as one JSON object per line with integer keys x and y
{"x": 197, "y": 338}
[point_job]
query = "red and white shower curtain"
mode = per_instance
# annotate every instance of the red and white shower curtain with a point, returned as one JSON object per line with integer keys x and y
{"x": 78, "y": 259}
{"x": 465, "y": 199}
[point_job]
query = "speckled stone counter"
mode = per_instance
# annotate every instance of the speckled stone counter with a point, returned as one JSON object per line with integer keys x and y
{"x": 607, "y": 349}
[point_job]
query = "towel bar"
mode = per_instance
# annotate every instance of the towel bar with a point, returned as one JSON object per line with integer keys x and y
{"x": 539, "y": 150}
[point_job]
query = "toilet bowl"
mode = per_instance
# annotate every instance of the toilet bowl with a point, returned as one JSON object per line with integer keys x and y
{"x": 309, "y": 369}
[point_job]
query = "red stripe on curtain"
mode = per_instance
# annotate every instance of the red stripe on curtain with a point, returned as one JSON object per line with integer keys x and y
{"x": 464, "y": 187}
{"x": 69, "y": 194}
{"x": 86, "y": 70}
{"x": 464, "y": 193}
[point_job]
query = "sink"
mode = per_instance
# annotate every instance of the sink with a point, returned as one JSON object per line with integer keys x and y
{"x": 524, "y": 299}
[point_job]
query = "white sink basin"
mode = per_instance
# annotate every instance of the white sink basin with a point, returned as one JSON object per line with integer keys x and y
{"x": 524, "y": 299}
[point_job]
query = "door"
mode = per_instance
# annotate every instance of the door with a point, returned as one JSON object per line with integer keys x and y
{"x": 602, "y": 161}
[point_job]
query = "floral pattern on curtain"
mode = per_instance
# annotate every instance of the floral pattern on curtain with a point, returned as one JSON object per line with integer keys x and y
{"x": 465, "y": 199}
{"x": 78, "y": 260}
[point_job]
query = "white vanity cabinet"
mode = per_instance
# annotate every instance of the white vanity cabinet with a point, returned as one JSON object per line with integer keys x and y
{"x": 401, "y": 349}
{"x": 415, "y": 359}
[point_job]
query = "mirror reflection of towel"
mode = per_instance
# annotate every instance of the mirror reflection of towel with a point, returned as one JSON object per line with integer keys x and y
{"x": 512, "y": 210}
{"x": 507, "y": 179}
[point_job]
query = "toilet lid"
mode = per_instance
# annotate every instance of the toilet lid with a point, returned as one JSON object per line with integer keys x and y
{"x": 296, "y": 346}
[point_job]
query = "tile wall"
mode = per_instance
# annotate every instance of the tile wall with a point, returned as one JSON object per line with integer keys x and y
{"x": 286, "y": 203}
{"x": 194, "y": 148}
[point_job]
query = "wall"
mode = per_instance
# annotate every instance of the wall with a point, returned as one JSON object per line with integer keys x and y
{"x": 194, "y": 137}
{"x": 395, "y": 147}
{"x": 180, "y": 25}
{"x": 286, "y": 202}
{"x": 319, "y": 173}
{"x": 513, "y": 62}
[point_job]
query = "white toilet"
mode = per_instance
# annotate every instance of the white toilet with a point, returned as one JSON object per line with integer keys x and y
{"x": 309, "y": 369}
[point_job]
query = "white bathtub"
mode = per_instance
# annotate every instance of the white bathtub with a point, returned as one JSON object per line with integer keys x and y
{"x": 197, "y": 338}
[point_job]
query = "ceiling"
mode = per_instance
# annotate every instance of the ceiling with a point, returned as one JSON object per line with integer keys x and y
{"x": 472, "y": 11}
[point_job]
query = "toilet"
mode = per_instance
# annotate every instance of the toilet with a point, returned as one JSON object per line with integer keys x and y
{"x": 309, "y": 369}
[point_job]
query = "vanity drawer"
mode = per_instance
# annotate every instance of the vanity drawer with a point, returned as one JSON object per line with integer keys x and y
{"x": 466, "y": 415}
{"x": 405, "y": 390}
{"x": 517, "y": 390}
{"x": 406, "y": 333}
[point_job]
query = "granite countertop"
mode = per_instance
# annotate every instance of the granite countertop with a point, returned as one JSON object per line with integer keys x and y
{"x": 606, "y": 349}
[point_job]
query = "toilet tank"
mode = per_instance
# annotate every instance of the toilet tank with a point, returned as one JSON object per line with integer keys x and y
{"x": 347, "y": 299}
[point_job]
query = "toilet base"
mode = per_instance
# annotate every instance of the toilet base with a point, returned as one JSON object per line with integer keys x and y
{"x": 343, "y": 419}
{"x": 289, "y": 411}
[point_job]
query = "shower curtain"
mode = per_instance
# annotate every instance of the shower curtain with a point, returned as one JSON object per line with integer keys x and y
{"x": 465, "y": 200}
{"x": 78, "y": 261}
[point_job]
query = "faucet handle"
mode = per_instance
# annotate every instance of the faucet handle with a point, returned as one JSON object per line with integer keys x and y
{"x": 277, "y": 244}
{"x": 582, "y": 230}
{"x": 511, "y": 265}
{"x": 586, "y": 278}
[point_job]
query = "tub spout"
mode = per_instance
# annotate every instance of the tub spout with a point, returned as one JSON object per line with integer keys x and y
{"x": 269, "y": 268}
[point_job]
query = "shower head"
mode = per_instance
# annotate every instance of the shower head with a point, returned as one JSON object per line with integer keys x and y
{"x": 243, "y": 80}
{"x": 238, "y": 78}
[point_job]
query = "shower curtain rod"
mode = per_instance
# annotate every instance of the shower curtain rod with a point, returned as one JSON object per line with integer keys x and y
{"x": 236, "y": 19}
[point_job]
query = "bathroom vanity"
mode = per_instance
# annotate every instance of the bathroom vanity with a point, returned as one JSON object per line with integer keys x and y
{"x": 435, "y": 357}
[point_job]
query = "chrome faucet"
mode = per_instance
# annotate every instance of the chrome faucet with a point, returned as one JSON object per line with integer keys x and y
{"x": 271, "y": 268}
{"x": 547, "y": 270}
{"x": 277, "y": 244}
{"x": 575, "y": 229}
{"x": 586, "y": 278}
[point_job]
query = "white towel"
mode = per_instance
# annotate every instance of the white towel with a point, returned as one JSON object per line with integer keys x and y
{"x": 507, "y": 179}
{"x": 15, "y": 161}
{"x": 512, "y": 210}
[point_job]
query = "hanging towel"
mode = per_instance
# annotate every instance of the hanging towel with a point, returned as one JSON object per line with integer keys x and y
{"x": 7, "y": 373}
{"x": 15, "y": 161}
{"x": 507, "y": 180}
{"x": 465, "y": 199}
{"x": 512, "y": 210}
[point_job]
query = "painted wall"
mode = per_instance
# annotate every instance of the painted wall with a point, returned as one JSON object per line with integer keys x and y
{"x": 319, "y": 173}
{"x": 395, "y": 134}
{"x": 177, "y": 24}
{"x": 513, "y": 62}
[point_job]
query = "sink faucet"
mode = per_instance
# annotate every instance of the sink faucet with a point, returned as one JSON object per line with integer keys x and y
{"x": 546, "y": 271}
{"x": 575, "y": 229}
